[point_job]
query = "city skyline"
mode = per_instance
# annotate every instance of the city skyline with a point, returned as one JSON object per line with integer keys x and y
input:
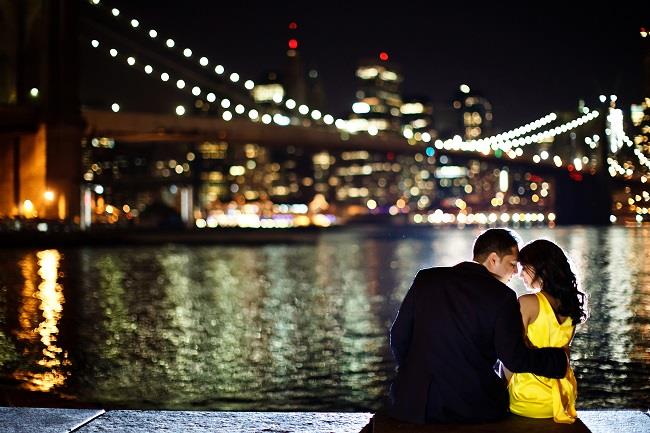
{"x": 528, "y": 62}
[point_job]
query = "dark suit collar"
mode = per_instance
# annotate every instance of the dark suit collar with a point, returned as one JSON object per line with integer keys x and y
{"x": 473, "y": 267}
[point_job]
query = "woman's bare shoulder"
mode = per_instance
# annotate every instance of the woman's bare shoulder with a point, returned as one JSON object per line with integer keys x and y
{"x": 529, "y": 307}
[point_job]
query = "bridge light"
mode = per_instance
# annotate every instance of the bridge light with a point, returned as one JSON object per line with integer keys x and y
{"x": 290, "y": 103}
{"x": 277, "y": 97}
{"x": 253, "y": 114}
{"x": 303, "y": 109}
{"x": 239, "y": 109}
{"x": 315, "y": 114}
{"x": 180, "y": 110}
{"x": 187, "y": 52}
{"x": 225, "y": 103}
{"x": 328, "y": 119}
{"x": 372, "y": 130}
{"x": 203, "y": 61}
{"x": 281, "y": 120}
{"x": 130, "y": 61}
{"x": 464, "y": 88}
{"x": 153, "y": 33}
{"x": 211, "y": 97}
{"x": 613, "y": 98}
{"x": 219, "y": 69}
{"x": 94, "y": 43}
{"x": 249, "y": 84}
{"x": 234, "y": 77}
{"x": 95, "y": 2}
{"x": 164, "y": 76}
{"x": 266, "y": 119}
{"x": 33, "y": 92}
{"x": 113, "y": 52}
{"x": 135, "y": 23}
{"x": 544, "y": 155}
{"x": 196, "y": 91}
{"x": 148, "y": 69}
{"x": 360, "y": 108}
{"x": 115, "y": 107}
{"x": 602, "y": 98}
{"x": 170, "y": 43}
{"x": 115, "y": 12}
{"x": 180, "y": 84}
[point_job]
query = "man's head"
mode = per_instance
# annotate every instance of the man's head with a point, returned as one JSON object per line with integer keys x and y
{"x": 497, "y": 250}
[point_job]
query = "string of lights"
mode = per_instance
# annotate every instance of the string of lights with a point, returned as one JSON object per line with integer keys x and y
{"x": 227, "y": 114}
{"x": 234, "y": 77}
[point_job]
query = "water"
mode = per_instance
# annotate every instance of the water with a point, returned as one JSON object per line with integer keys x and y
{"x": 281, "y": 327}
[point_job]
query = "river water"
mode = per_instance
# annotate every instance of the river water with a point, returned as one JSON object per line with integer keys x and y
{"x": 282, "y": 326}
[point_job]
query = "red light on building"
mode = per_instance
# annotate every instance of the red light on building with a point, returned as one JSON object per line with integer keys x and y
{"x": 383, "y": 56}
{"x": 293, "y": 25}
{"x": 575, "y": 176}
{"x": 293, "y": 43}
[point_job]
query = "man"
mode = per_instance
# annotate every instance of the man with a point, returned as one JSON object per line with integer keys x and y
{"x": 453, "y": 325}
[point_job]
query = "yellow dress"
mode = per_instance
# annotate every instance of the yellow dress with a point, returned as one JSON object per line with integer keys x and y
{"x": 540, "y": 397}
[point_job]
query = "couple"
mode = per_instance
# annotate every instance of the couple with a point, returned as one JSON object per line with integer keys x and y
{"x": 468, "y": 351}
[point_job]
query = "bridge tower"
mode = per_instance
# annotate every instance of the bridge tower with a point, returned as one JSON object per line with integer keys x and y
{"x": 40, "y": 121}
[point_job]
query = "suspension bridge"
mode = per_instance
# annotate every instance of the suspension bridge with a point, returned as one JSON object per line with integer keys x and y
{"x": 596, "y": 168}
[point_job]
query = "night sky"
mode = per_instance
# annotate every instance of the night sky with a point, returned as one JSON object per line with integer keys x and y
{"x": 528, "y": 61}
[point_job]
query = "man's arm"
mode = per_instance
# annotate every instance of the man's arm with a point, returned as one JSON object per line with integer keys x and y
{"x": 513, "y": 352}
{"x": 402, "y": 328}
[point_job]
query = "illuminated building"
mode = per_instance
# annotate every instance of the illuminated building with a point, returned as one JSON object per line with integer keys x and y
{"x": 474, "y": 113}
{"x": 417, "y": 116}
{"x": 269, "y": 89}
{"x": 378, "y": 97}
{"x": 295, "y": 84}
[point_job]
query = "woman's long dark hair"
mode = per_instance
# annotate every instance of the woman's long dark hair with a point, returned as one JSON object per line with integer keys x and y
{"x": 551, "y": 266}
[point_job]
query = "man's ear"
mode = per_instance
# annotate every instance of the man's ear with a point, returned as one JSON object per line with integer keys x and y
{"x": 492, "y": 259}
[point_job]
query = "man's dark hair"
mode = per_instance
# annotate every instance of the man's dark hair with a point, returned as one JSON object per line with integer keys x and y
{"x": 500, "y": 241}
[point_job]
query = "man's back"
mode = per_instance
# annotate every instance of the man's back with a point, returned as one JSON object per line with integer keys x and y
{"x": 453, "y": 325}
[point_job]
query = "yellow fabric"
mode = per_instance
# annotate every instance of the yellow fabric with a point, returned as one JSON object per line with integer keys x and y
{"x": 540, "y": 397}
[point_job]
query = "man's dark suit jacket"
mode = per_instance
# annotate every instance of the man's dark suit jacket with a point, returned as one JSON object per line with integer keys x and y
{"x": 453, "y": 325}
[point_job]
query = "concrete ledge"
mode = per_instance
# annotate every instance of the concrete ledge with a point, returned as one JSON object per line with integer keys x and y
{"x": 44, "y": 420}
{"x": 597, "y": 421}
{"x": 47, "y": 420}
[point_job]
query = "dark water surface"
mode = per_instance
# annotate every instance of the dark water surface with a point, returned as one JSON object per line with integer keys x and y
{"x": 272, "y": 327}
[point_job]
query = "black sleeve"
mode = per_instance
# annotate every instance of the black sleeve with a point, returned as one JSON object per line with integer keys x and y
{"x": 402, "y": 328}
{"x": 513, "y": 352}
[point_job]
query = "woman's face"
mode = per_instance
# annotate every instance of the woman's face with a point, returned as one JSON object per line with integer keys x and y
{"x": 528, "y": 275}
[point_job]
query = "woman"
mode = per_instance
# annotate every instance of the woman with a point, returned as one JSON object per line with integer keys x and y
{"x": 550, "y": 316}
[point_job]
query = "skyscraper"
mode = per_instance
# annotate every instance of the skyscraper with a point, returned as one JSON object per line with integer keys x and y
{"x": 474, "y": 113}
{"x": 378, "y": 96}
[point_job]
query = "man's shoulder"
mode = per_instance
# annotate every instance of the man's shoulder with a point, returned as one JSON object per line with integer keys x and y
{"x": 433, "y": 271}
{"x": 470, "y": 274}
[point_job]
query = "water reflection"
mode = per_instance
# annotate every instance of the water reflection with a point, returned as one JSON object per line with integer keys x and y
{"x": 300, "y": 327}
{"x": 38, "y": 317}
